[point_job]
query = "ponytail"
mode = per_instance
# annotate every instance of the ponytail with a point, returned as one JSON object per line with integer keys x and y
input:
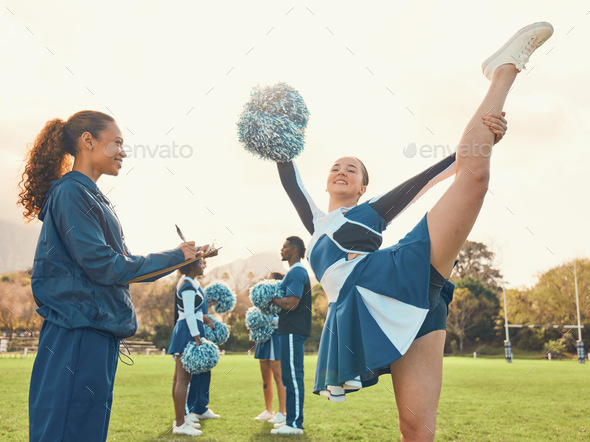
{"x": 46, "y": 162}
{"x": 51, "y": 155}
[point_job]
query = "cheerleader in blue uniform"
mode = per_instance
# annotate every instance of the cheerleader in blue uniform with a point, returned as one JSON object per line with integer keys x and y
{"x": 79, "y": 274}
{"x": 189, "y": 299}
{"x": 385, "y": 303}
{"x": 197, "y": 400}
{"x": 269, "y": 355}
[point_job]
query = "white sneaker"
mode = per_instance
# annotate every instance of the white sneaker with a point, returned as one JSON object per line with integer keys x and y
{"x": 264, "y": 416}
{"x": 280, "y": 424}
{"x": 207, "y": 415}
{"x": 279, "y": 418}
{"x": 519, "y": 48}
{"x": 191, "y": 423}
{"x": 286, "y": 429}
{"x": 192, "y": 417}
{"x": 186, "y": 429}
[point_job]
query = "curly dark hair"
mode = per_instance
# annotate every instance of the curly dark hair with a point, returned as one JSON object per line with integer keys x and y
{"x": 278, "y": 276}
{"x": 50, "y": 156}
{"x": 186, "y": 269}
{"x": 297, "y": 242}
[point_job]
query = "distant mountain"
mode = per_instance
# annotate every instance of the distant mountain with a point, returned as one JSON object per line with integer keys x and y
{"x": 17, "y": 245}
{"x": 242, "y": 273}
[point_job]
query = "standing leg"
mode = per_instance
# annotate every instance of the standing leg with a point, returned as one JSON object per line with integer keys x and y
{"x": 288, "y": 378}
{"x": 453, "y": 216}
{"x": 417, "y": 380}
{"x": 281, "y": 392}
{"x": 193, "y": 395}
{"x": 298, "y": 342}
{"x": 179, "y": 391}
{"x": 292, "y": 351}
{"x": 203, "y": 392}
{"x": 266, "y": 372}
{"x": 72, "y": 384}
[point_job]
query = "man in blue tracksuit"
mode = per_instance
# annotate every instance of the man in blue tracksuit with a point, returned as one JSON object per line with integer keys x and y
{"x": 294, "y": 328}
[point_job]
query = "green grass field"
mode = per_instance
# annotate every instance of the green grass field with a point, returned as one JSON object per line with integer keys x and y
{"x": 483, "y": 399}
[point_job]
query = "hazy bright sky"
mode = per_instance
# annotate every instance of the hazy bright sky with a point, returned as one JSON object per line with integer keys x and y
{"x": 377, "y": 77}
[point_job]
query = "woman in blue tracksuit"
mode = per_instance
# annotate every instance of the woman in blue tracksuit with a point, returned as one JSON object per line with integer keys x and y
{"x": 81, "y": 265}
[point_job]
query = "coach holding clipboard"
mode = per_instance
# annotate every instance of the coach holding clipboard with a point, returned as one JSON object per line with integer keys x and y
{"x": 79, "y": 278}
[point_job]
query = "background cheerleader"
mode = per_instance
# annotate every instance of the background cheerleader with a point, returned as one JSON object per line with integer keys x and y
{"x": 189, "y": 299}
{"x": 81, "y": 265}
{"x": 269, "y": 355}
{"x": 197, "y": 401}
{"x": 294, "y": 328}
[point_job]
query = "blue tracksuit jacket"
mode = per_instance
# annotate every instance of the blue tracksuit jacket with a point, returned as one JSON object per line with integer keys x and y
{"x": 81, "y": 261}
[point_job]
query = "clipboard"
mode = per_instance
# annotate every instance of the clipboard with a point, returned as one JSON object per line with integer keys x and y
{"x": 170, "y": 269}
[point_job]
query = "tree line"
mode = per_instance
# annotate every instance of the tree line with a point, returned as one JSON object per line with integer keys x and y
{"x": 476, "y": 315}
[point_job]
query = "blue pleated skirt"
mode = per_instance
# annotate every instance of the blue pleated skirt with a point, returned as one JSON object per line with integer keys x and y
{"x": 380, "y": 309}
{"x": 270, "y": 349}
{"x": 181, "y": 336}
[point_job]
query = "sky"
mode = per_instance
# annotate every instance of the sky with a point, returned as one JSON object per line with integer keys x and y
{"x": 393, "y": 84}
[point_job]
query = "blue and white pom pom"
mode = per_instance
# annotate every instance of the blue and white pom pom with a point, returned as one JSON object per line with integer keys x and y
{"x": 256, "y": 319}
{"x": 200, "y": 358}
{"x": 262, "y": 293}
{"x": 219, "y": 334}
{"x": 272, "y": 124}
{"x": 224, "y": 297}
{"x": 262, "y": 334}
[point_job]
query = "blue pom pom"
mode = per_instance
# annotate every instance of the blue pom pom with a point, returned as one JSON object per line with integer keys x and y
{"x": 224, "y": 297}
{"x": 262, "y": 293}
{"x": 262, "y": 334}
{"x": 260, "y": 325}
{"x": 272, "y": 124}
{"x": 200, "y": 358}
{"x": 256, "y": 319}
{"x": 219, "y": 334}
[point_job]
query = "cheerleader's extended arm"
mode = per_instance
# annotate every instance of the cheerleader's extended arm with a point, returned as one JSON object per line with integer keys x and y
{"x": 394, "y": 202}
{"x": 302, "y": 201}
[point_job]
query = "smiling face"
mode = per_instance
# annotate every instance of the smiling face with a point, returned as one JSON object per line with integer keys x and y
{"x": 346, "y": 179}
{"x": 201, "y": 266}
{"x": 194, "y": 269}
{"x": 105, "y": 152}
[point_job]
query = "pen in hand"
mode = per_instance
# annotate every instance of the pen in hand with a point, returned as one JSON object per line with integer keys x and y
{"x": 180, "y": 233}
{"x": 189, "y": 249}
{"x": 211, "y": 250}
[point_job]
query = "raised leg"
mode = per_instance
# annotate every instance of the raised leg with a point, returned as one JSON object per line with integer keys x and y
{"x": 453, "y": 216}
{"x": 417, "y": 380}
